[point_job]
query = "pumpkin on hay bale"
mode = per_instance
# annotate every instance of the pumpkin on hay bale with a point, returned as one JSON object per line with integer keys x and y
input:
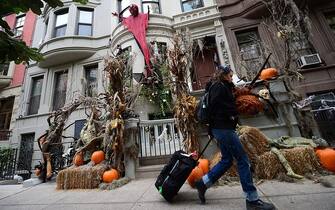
{"x": 301, "y": 159}
{"x": 78, "y": 159}
{"x": 98, "y": 156}
{"x": 82, "y": 177}
{"x": 110, "y": 176}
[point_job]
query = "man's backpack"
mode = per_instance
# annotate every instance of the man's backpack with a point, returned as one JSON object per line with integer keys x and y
{"x": 203, "y": 109}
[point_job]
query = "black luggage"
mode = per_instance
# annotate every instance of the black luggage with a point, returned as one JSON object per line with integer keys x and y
{"x": 175, "y": 173}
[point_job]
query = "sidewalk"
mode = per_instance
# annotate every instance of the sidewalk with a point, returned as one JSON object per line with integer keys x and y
{"x": 141, "y": 194}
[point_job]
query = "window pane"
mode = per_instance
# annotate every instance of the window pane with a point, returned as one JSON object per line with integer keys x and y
{"x": 20, "y": 21}
{"x": 4, "y": 69}
{"x": 60, "y": 90}
{"x": 331, "y": 20}
{"x": 85, "y": 30}
{"x": 91, "y": 81}
{"x": 248, "y": 43}
{"x": 192, "y": 4}
{"x": 60, "y": 31}
{"x": 34, "y": 102}
{"x": 154, "y": 8}
{"x": 85, "y": 16}
{"x": 61, "y": 19}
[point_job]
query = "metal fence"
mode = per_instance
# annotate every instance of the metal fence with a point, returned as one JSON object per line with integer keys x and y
{"x": 323, "y": 109}
{"x": 158, "y": 138}
{"x": 8, "y": 163}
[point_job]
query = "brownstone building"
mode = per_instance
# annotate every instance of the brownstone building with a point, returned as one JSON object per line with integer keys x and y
{"x": 249, "y": 40}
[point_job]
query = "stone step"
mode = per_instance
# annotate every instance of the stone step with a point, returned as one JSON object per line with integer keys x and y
{"x": 151, "y": 171}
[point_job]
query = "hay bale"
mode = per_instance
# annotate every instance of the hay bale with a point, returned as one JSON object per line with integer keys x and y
{"x": 301, "y": 159}
{"x": 82, "y": 177}
{"x": 254, "y": 142}
{"x": 114, "y": 184}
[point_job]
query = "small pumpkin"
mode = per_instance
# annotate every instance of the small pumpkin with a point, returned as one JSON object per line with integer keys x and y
{"x": 78, "y": 159}
{"x": 195, "y": 175}
{"x": 268, "y": 73}
{"x": 327, "y": 158}
{"x": 98, "y": 156}
{"x": 110, "y": 176}
{"x": 204, "y": 165}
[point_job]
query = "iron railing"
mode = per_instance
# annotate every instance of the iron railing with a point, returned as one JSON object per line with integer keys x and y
{"x": 8, "y": 163}
{"x": 158, "y": 138}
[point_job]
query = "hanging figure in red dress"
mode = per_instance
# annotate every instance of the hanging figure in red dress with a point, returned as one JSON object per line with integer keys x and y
{"x": 137, "y": 24}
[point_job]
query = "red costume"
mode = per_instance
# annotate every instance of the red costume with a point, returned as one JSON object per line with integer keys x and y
{"x": 137, "y": 24}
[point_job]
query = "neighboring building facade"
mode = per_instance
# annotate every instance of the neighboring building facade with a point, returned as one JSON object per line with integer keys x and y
{"x": 12, "y": 77}
{"x": 251, "y": 41}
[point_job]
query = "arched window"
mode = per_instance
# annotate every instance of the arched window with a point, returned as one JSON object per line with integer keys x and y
{"x": 153, "y": 5}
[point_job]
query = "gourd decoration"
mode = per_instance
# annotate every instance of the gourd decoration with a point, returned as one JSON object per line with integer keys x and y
{"x": 327, "y": 158}
{"x": 195, "y": 175}
{"x": 110, "y": 175}
{"x": 268, "y": 73}
{"x": 204, "y": 165}
{"x": 78, "y": 159}
{"x": 98, "y": 156}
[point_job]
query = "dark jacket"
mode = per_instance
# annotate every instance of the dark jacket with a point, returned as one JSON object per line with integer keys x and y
{"x": 222, "y": 105}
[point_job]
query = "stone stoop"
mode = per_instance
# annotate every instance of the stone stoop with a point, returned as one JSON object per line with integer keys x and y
{"x": 151, "y": 171}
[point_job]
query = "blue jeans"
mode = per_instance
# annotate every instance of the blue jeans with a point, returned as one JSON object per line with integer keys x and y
{"x": 231, "y": 147}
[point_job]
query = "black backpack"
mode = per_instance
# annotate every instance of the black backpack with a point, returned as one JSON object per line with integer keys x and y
{"x": 203, "y": 108}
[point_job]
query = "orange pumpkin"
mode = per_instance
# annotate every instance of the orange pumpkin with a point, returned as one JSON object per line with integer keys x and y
{"x": 110, "y": 176}
{"x": 204, "y": 165}
{"x": 37, "y": 171}
{"x": 98, "y": 156}
{"x": 195, "y": 175}
{"x": 78, "y": 159}
{"x": 327, "y": 158}
{"x": 268, "y": 73}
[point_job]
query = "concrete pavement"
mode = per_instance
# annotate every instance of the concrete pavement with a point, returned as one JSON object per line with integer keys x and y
{"x": 142, "y": 194}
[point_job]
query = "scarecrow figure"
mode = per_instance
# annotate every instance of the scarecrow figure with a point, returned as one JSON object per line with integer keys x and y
{"x": 137, "y": 24}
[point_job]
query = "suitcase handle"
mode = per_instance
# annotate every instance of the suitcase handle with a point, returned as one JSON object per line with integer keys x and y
{"x": 203, "y": 150}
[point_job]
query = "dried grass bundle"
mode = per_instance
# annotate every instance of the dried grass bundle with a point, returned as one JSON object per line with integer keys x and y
{"x": 301, "y": 159}
{"x": 248, "y": 105}
{"x": 82, "y": 177}
{"x": 254, "y": 142}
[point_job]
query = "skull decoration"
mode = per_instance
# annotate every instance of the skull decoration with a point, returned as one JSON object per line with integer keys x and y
{"x": 133, "y": 10}
{"x": 264, "y": 93}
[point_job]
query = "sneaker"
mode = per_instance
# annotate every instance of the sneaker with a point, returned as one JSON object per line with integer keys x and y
{"x": 259, "y": 205}
{"x": 201, "y": 187}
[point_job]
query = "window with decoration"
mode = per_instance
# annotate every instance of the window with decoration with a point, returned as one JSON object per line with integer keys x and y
{"x": 122, "y": 4}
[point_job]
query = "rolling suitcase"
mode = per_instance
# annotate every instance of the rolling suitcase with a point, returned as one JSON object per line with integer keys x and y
{"x": 175, "y": 173}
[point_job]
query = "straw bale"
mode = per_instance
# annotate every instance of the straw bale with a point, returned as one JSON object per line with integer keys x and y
{"x": 254, "y": 142}
{"x": 82, "y": 177}
{"x": 301, "y": 159}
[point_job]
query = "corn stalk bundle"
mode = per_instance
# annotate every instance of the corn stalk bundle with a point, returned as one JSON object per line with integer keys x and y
{"x": 82, "y": 177}
{"x": 179, "y": 59}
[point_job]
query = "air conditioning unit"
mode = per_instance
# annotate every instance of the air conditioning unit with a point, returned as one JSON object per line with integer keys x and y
{"x": 309, "y": 61}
